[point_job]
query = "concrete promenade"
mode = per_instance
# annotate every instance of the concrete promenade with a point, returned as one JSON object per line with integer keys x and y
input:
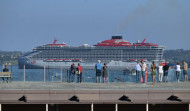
{"x": 96, "y": 93}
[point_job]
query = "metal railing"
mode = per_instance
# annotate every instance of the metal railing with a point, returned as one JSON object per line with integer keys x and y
{"x": 88, "y": 75}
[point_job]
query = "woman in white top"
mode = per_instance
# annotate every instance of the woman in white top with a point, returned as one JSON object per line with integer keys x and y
{"x": 160, "y": 76}
{"x": 178, "y": 71}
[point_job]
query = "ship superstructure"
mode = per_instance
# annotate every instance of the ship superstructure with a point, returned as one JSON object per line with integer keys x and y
{"x": 116, "y": 52}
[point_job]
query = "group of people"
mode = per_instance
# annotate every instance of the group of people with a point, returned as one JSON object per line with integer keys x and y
{"x": 75, "y": 70}
{"x": 162, "y": 69}
{"x": 101, "y": 71}
{"x": 141, "y": 68}
{"x": 178, "y": 71}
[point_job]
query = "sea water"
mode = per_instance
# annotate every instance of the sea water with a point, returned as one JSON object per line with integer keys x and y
{"x": 88, "y": 75}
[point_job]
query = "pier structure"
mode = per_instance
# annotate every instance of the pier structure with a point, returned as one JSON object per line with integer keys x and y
{"x": 46, "y": 96}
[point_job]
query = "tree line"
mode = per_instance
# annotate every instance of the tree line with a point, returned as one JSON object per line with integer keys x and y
{"x": 10, "y": 57}
{"x": 177, "y": 55}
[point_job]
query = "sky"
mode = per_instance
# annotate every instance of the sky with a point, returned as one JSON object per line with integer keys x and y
{"x": 25, "y": 24}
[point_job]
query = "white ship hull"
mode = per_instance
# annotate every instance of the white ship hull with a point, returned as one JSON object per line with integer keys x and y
{"x": 33, "y": 64}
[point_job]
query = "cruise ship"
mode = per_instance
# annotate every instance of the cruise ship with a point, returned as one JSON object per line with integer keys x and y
{"x": 116, "y": 52}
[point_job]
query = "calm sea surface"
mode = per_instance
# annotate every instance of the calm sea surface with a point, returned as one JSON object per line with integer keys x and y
{"x": 54, "y": 75}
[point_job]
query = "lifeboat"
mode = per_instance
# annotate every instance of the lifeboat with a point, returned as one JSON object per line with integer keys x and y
{"x": 58, "y": 60}
{"x": 68, "y": 60}
{"x": 49, "y": 60}
{"x": 77, "y": 60}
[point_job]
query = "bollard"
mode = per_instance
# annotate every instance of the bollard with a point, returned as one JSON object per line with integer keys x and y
{"x": 147, "y": 106}
{"x": 0, "y": 107}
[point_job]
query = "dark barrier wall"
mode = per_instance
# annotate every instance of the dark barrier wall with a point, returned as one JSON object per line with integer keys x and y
{"x": 168, "y": 107}
{"x": 131, "y": 107}
{"x": 104, "y": 107}
{"x": 69, "y": 107}
{"x": 97, "y": 107}
{"x": 23, "y": 107}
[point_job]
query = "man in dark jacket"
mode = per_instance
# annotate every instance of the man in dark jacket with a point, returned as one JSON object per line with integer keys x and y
{"x": 5, "y": 70}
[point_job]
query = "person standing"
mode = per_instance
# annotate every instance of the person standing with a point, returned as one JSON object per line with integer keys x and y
{"x": 5, "y": 70}
{"x": 178, "y": 71}
{"x": 72, "y": 72}
{"x": 166, "y": 68}
{"x": 143, "y": 70}
{"x": 153, "y": 71}
{"x": 185, "y": 68}
{"x": 105, "y": 73}
{"x": 98, "y": 68}
{"x": 138, "y": 72}
{"x": 79, "y": 75}
{"x": 160, "y": 70}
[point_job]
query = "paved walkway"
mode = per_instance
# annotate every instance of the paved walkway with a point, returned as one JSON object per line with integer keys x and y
{"x": 87, "y": 93}
{"x": 93, "y": 86}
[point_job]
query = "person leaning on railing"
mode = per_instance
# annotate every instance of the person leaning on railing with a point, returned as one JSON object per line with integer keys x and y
{"x": 160, "y": 72}
{"x": 166, "y": 68}
{"x": 105, "y": 73}
{"x": 153, "y": 72}
{"x": 138, "y": 72}
{"x": 178, "y": 71}
{"x": 72, "y": 72}
{"x": 98, "y": 68}
{"x": 185, "y": 68}
{"x": 79, "y": 73}
{"x": 143, "y": 70}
